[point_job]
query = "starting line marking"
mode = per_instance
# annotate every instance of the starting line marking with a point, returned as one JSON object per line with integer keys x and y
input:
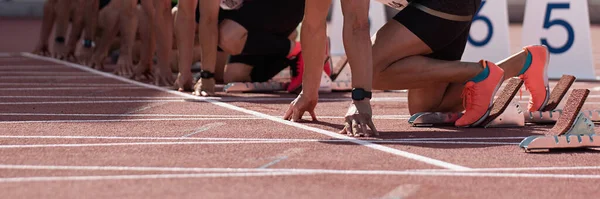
{"x": 371, "y": 145}
{"x": 47, "y": 73}
{"x": 91, "y": 97}
{"x": 90, "y": 102}
{"x": 53, "y": 77}
{"x": 71, "y": 88}
{"x": 61, "y": 84}
{"x": 126, "y": 120}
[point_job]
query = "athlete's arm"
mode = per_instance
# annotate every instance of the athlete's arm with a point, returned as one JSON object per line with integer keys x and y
{"x": 90, "y": 19}
{"x": 208, "y": 29}
{"x": 357, "y": 42}
{"x": 47, "y": 24}
{"x": 76, "y": 27}
{"x": 313, "y": 36}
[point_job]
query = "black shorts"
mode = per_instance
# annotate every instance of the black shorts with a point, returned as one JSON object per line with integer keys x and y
{"x": 264, "y": 67}
{"x": 443, "y": 25}
{"x": 103, "y": 3}
{"x": 280, "y": 17}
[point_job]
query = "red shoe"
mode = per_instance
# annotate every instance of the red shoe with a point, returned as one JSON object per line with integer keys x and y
{"x": 536, "y": 77}
{"x": 478, "y": 97}
{"x": 297, "y": 68}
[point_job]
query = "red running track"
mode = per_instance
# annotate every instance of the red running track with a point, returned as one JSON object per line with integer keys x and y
{"x": 74, "y": 132}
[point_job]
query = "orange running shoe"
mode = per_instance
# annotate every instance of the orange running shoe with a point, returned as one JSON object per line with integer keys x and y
{"x": 478, "y": 97}
{"x": 535, "y": 76}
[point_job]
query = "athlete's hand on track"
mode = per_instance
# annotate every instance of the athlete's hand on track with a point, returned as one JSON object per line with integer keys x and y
{"x": 299, "y": 106}
{"x": 205, "y": 87}
{"x": 124, "y": 66}
{"x": 42, "y": 50}
{"x": 358, "y": 118}
{"x": 84, "y": 56}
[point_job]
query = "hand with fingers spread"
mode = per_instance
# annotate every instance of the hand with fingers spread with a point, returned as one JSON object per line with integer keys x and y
{"x": 358, "y": 118}
{"x": 299, "y": 106}
{"x": 205, "y": 87}
{"x": 124, "y": 66}
{"x": 163, "y": 76}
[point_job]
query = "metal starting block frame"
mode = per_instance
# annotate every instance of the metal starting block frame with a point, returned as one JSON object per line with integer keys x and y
{"x": 572, "y": 130}
{"x": 505, "y": 112}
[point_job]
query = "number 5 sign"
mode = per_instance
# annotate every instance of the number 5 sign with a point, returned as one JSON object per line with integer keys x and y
{"x": 564, "y": 27}
{"x": 488, "y": 38}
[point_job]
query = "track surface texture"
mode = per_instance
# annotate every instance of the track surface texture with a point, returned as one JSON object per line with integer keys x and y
{"x": 69, "y": 132}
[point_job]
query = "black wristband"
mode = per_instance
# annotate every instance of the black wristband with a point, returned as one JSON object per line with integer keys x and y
{"x": 360, "y": 94}
{"x": 59, "y": 40}
{"x": 206, "y": 75}
{"x": 88, "y": 43}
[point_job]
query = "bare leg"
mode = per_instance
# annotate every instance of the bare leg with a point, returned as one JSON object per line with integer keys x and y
{"x": 399, "y": 65}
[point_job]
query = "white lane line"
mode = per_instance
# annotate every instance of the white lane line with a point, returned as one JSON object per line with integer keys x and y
{"x": 371, "y": 145}
{"x": 31, "y": 67}
{"x": 52, "y": 77}
{"x": 138, "y": 177}
{"x": 203, "y": 169}
{"x": 90, "y": 97}
{"x": 402, "y": 191}
{"x": 237, "y": 139}
{"x": 288, "y": 173}
{"x": 60, "y": 84}
{"x": 529, "y": 169}
{"x": 121, "y": 115}
{"x": 125, "y": 120}
{"x": 205, "y": 128}
{"x": 71, "y": 88}
{"x": 90, "y": 102}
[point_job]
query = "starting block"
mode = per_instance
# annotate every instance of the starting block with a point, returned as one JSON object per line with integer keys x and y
{"x": 573, "y": 129}
{"x": 505, "y": 112}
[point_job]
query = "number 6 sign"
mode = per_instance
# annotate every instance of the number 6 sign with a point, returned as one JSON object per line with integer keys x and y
{"x": 488, "y": 38}
{"x": 564, "y": 27}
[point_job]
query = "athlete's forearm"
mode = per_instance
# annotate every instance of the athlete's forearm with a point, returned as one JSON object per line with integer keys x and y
{"x": 357, "y": 42}
{"x": 185, "y": 34}
{"x": 77, "y": 21}
{"x": 128, "y": 27}
{"x": 90, "y": 19}
{"x": 313, "y": 37}
{"x": 208, "y": 29}
{"x": 61, "y": 9}
{"x": 48, "y": 21}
